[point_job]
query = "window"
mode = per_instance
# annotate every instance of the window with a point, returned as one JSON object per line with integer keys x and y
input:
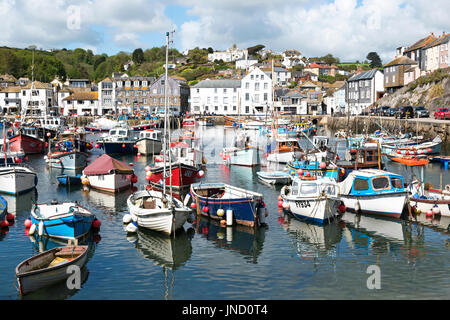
{"x": 128, "y": 83}
{"x": 360, "y": 184}
{"x": 234, "y": 89}
{"x": 262, "y": 77}
{"x": 251, "y": 77}
{"x": 224, "y": 90}
{"x": 266, "y": 85}
{"x": 308, "y": 188}
{"x": 198, "y": 90}
{"x": 144, "y": 83}
{"x": 247, "y": 109}
{"x": 397, "y": 183}
{"x": 216, "y": 99}
{"x": 175, "y": 100}
{"x": 208, "y": 100}
{"x": 216, "y": 108}
{"x": 256, "y": 97}
{"x": 265, "y": 96}
{"x": 380, "y": 183}
{"x": 136, "y": 83}
{"x": 225, "y": 100}
{"x": 225, "y": 108}
{"x": 256, "y": 86}
{"x": 247, "y": 85}
{"x": 247, "y": 97}
{"x": 215, "y": 90}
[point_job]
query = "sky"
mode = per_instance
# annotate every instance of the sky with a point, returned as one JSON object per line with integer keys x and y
{"x": 348, "y": 29}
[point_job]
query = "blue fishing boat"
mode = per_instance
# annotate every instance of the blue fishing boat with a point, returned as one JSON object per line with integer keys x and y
{"x": 376, "y": 192}
{"x": 299, "y": 168}
{"x": 118, "y": 140}
{"x": 222, "y": 201}
{"x": 67, "y": 220}
{"x": 68, "y": 180}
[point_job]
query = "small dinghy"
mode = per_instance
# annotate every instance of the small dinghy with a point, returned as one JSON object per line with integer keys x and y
{"x": 68, "y": 180}
{"x": 274, "y": 177}
{"x": 49, "y": 267}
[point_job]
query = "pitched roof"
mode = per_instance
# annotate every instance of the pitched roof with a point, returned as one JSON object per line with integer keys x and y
{"x": 442, "y": 39}
{"x": 421, "y": 43}
{"x": 218, "y": 84}
{"x": 39, "y": 85}
{"x": 11, "y": 89}
{"x": 80, "y": 95}
{"x": 364, "y": 75}
{"x": 403, "y": 60}
{"x": 105, "y": 164}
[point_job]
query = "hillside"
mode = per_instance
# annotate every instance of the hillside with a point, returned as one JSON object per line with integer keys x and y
{"x": 431, "y": 91}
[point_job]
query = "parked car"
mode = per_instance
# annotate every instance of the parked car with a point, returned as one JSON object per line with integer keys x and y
{"x": 405, "y": 112}
{"x": 383, "y": 111}
{"x": 392, "y": 112}
{"x": 442, "y": 113}
{"x": 373, "y": 111}
{"x": 421, "y": 112}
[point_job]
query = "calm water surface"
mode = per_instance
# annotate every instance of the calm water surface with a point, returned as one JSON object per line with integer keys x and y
{"x": 287, "y": 260}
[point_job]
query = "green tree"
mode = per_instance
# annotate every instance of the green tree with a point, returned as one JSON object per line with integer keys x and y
{"x": 375, "y": 60}
{"x": 255, "y": 49}
{"x": 138, "y": 56}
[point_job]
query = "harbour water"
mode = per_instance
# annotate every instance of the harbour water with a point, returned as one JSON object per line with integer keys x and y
{"x": 289, "y": 259}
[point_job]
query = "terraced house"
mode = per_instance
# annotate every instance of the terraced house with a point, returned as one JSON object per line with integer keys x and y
{"x": 436, "y": 54}
{"x": 363, "y": 89}
{"x": 397, "y": 73}
{"x": 415, "y": 51}
{"x": 81, "y": 103}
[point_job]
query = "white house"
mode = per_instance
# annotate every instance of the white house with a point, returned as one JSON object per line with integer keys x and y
{"x": 215, "y": 96}
{"x": 292, "y": 58}
{"x": 246, "y": 62}
{"x": 40, "y": 100}
{"x": 106, "y": 95}
{"x": 231, "y": 54}
{"x": 81, "y": 103}
{"x": 282, "y": 75}
{"x": 10, "y": 100}
{"x": 256, "y": 92}
{"x": 336, "y": 101}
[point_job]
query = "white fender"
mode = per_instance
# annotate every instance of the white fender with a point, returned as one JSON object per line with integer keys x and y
{"x": 186, "y": 200}
{"x": 32, "y": 229}
{"x": 127, "y": 218}
{"x": 357, "y": 206}
{"x": 132, "y": 227}
{"x": 229, "y": 217}
{"x": 41, "y": 228}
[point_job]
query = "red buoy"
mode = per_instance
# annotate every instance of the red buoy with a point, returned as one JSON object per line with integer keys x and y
{"x": 96, "y": 224}
{"x": 4, "y": 224}
{"x": 28, "y": 223}
{"x": 342, "y": 208}
{"x": 205, "y": 209}
{"x": 429, "y": 150}
{"x": 322, "y": 165}
{"x": 193, "y": 205}
{"x": 10, "y": 216}
{"x": 134, "y": 178}
{"x": 300, "y": 172}
{"x": 123, "y": 145}
{"x": 97, "y": 145}
{"x": 280, "y": 203}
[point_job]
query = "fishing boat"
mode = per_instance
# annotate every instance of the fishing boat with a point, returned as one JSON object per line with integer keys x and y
{"x": 65, "y": 179}
{"x": 149, "y": 142}
{"x": 154, "y": 210}
{"x": 371, "y": 191}
{"x": 108, "y": 174}
{"x": 222, "y": 201}
{"x": 49, "y": 267}
{"x": 11, "y": 157}
{"x": 312, "y": 199}
{"x": 423, "y": 148}
{"x": 299, "y": 168}
{"x": 17, "y": 178}
{"x": 207, "y": 122}
{"x": 77, "y": 138}
{"x": 66, "y": 220}
{"x": 66, "y": 157}
{"x": 284, "y": 151}
{"x": 183, "y": 175}
{"x": 241, "y": 153}
{"x": 101, "y": 125}
{"x": 27, "y": 140}
{"x": 274, "y": 177}
{"x": 188, "y": 122}
{"x": 119, "y": 140}
{"x": 145, "y": 126}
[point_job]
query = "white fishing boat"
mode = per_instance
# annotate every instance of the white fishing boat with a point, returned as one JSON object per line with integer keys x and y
{"x": 16, "y": 179}
{"x": 285, "y": 150}
{"x": 274, "y": 177}
{"x": 49, "y": 267}
{"x": 241, "y": 153}
{"x": 312, "y": 199}
{"x": 149, "y": 142}
{"x": 155, "y": 211}
{"x": 371, "y": 191}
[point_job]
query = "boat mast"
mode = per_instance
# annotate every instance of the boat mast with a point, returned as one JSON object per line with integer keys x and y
{"x": 165, "y": 119}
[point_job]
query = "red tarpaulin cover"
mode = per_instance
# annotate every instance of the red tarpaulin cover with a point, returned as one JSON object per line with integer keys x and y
{"x": 104, "y": 165}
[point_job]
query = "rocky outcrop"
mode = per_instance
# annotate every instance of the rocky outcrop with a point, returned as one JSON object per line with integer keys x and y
{"x": 423, "y": 92}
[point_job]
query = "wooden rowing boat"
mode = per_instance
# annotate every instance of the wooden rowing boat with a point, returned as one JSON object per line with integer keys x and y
{"x": 49, "y": 267}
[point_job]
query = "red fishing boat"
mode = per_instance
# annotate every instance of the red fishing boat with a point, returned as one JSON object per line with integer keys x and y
{"x": 183, "y": 176}
{"x": 27, "y": 141}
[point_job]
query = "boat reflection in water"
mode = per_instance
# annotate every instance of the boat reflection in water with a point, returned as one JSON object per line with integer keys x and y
{"x": 238, "y": 238}
{"x": 310, "y": 239}
{"x": 108, "y": 202}
{"x": 60, "y": 291}
{"x": 21, "y": 203}
{"x": 166, "y": 251}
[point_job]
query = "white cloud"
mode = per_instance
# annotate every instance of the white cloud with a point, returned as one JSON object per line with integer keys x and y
{"x": 343, "y": 27}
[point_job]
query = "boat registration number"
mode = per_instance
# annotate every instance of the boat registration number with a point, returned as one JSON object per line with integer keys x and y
{"x": 302, "y": 204}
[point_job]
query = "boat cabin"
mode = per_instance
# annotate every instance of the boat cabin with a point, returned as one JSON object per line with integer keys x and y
{"x": 150, "y": 134}
{"x": 321, "y": 142}
{"x": 311, "y": 187}
{"x": 370, "y": 182}
{"x": 119, "y": 134}
{"x": 287, "y": 145}
{"x": 367, "y": 156}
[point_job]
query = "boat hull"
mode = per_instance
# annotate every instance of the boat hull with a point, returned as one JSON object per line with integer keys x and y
{"x": 14, "y": 180}
{"x": 67, "y": 160}
{"x": 274, "y": 178}
{"x": 25, "y": 143}
{"x": 35, "y": 280}
{"x": 149, "y": 146}
{"x": 182, "y": 176}
{"x": 377, "y": 204}
{"x": 313, "y": 209}
{"x": 118, "y": 147}
{"x": 248, "y": 157}
{"x": 69, "y": 226}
